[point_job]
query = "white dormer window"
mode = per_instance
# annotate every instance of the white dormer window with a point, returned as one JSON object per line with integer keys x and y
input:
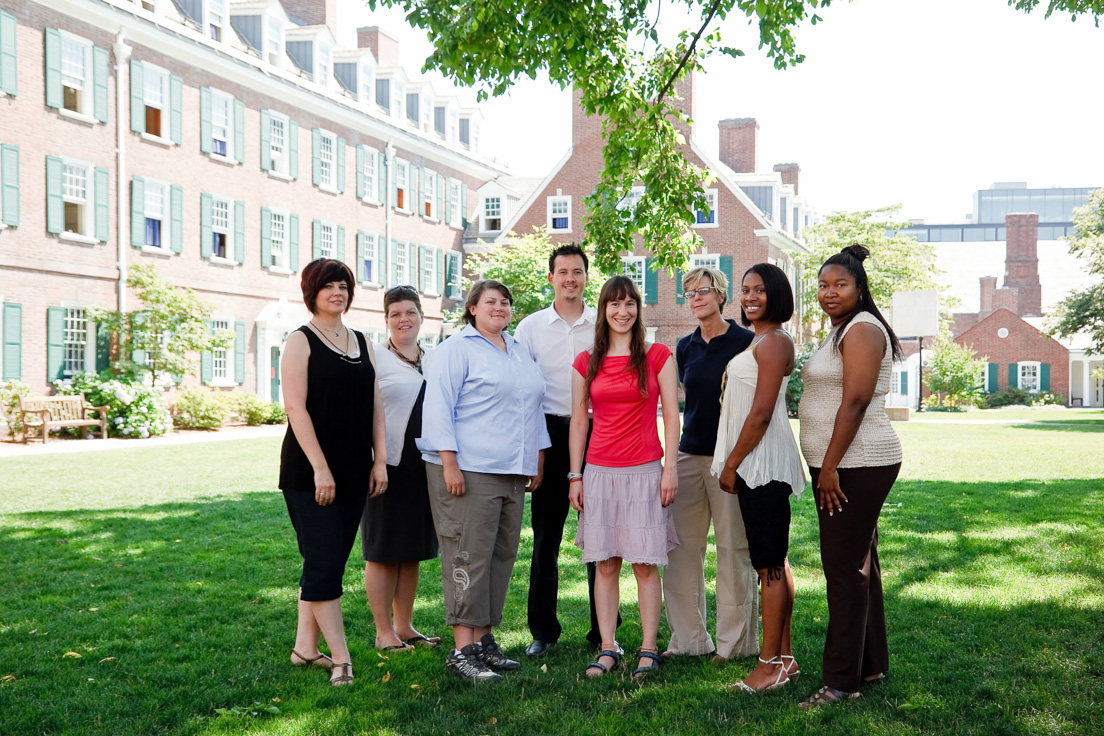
{"x": 323, "y": 64}
{"x": 398, "y": 99}
{"x": 216, "y": 18}
{"x": 492, "y": 214}
{"x": 274, "y": 41}
{"x": 705, "y": 260}
{"x": 559, "y": 214}
{"x": 383, "y": 94}
{"x": 367, "y": 83}
{"x": 453, "y": 127}
{"x": 707, "y": 218}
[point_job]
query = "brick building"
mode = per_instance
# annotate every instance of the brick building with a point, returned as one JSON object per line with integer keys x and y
{"x": 755, "y": 216}
{"x": 227, "y": 143}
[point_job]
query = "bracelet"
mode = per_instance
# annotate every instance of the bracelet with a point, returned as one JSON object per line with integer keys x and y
{"x": 574, "y": 476}
{"x": 573, "y": 480}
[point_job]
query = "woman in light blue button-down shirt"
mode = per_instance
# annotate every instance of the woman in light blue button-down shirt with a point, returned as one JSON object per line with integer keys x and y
{"x": 483, "y": 436}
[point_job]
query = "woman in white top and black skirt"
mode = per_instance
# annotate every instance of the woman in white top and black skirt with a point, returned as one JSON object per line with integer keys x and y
{"x": 854, "y": 457}
{"x": 756, "y": 457}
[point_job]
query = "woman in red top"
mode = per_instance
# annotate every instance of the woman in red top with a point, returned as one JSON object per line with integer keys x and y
{"x": 622, "y": 379}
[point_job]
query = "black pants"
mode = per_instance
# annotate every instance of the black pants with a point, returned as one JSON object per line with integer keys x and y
{"x": 856, "y": 645}
{"x": 548, "y": 508}
{"x": 325, "y": 535}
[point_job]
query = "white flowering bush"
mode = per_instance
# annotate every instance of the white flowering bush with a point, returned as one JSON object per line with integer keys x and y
{"x": 133, "y": 409}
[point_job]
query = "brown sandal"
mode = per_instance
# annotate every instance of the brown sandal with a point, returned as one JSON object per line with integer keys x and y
{"x": 342, "y": 674}
{"x": 320, "y": 661}
{"x": 826, "y": 696}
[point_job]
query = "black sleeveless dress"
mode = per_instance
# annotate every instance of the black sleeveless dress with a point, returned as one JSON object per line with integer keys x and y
{"x": 340, "y": 404}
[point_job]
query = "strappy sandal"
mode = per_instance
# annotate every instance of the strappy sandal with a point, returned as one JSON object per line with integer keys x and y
{"x": 780, "y": 681}
{"x": 874, "y": 679}
{"x": 826, "y": 696}
{"x": 342, "y": 674}
{"x": 320, "y": 661}
{"x": 795, "y": 673}
{"x": 614, "y": 654}
{"x": 423, "y": 640}
{"x": 640, "y": 672}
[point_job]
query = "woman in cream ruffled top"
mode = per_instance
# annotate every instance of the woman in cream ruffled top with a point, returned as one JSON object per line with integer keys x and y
{"x": 756, "y": 457}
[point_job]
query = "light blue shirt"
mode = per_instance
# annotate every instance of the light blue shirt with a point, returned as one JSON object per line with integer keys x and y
{"x": 484, "y": 405}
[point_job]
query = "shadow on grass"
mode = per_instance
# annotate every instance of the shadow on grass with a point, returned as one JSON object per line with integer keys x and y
{"x": 993, "y": 592}
{"x": 1084, "y": 425}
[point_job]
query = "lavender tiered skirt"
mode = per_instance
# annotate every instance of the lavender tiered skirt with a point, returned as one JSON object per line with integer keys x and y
{"x": 623, "y": 515}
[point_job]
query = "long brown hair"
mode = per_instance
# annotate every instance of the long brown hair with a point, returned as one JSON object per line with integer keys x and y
{"x": 618, "y": 288}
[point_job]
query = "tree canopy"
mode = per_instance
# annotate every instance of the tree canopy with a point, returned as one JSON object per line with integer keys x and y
{"x": 1082, "y": 310}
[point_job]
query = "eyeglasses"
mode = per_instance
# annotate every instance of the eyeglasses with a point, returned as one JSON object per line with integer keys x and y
{"x": 401, "y": 289}
{"x": 704, "y": 291}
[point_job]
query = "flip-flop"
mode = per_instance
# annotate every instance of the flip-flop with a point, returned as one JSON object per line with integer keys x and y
{"x": 423, "y": 640}
{"x": 395, "y": 647}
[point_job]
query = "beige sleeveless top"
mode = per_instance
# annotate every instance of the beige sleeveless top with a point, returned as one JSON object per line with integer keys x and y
{"x": 875, "y": 444}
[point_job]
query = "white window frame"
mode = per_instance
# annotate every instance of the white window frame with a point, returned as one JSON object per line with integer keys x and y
{"x": 327, "y": 229}
{"x": 274, "y": 47}
{"x": 631, "y": 199}
{"x": 323, "y": 64}
{"x": 709, "y": 260}
{"x": 327, "y": 168}
{"x": 453, "y": 126}
{"x": 429, "y": 270}
{"x": 398, "y": 99}
{"x": 223, "y": 355}
{"x": 226, "y": 230}
{"x": 402, "y": 183}
{"x": 371, "y": 256}
{"x": 149, "y": 188}
{"x": 428, "y": 201}
{"x": 633, "y": 267}
{"x": 985, "y": 387}
{"x": 711, "y": 195}
{"x": 402, "y": 268}
{"x": 221, "y": 18}
{"x": 367, "y": 83}
{"x": 150, "y": 73}
{"x": 281, "y": 162}
{"x": 555, "y": 202}
{"x": 1022, "y": 368}
{"x": 218, "y": 97}
{"x": 280, "y": 255}
{"x": 455, "y": 198}
{"x": 428, "y": 342}
{"x": 85, "y": 107}
{"x": 371, "y": 175}
{"x": 88, "y": 353}
{"x": 87, "y": 232}
{"x": 486, "y": 217}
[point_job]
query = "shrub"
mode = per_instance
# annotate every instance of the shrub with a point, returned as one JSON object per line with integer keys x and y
{"x": 1047, "y": 399}
{"x": 10, "y": 391}
{"x": 932, "y": 403}
{"x": 276, "y": 414}
{"x": 1009, "y": 397}
{"x": 133, "y": 409}
{"x": 248, "y": 408}
{"x": 200, "y": 408}
{"x": 796, "y": 387}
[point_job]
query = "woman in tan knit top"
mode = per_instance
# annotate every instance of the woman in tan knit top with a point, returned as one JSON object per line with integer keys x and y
{"x": 854, "y": 457}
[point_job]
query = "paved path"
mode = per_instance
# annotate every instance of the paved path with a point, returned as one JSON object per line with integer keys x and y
{"x": 177, "y": 437}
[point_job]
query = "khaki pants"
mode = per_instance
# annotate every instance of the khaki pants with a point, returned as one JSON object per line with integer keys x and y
{"x": 478, "y": 534}
{"x": 699, "y": 500}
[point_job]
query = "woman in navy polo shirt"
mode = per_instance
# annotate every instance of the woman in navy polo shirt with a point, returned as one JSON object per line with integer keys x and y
{"x": 701, "y": 358}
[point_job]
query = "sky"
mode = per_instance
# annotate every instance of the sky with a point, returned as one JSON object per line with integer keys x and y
{"x": 897, "y": 102}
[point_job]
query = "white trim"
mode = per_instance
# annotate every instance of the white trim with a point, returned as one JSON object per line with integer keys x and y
{"x": 218, "y": 96}
{"x": 430, "y": 255}
{"x": 88, "y": 83}
{"x": 281, "y": 264}
{"x": 279, "y": 170}
{"x": 640, "y": 266}
{"x": 77, "y": 116}
{"x": 1037, "y": 365}
{"x": 88, "y": 215}
{"x": 165, "y": 218}
{"x": 166, "y": 142}
{"x": 227, "y": 382}
{"x": 550, "y": 203}
{"x": 710, "y": 194}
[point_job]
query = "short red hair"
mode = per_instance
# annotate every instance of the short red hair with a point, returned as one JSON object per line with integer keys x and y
{"x": 324, "y": 271}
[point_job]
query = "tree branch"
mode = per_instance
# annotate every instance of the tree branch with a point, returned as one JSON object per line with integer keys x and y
{"x": 686, "y": 57}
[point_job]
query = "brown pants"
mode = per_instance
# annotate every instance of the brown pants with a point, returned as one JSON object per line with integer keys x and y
{"x": 856, "y": 645}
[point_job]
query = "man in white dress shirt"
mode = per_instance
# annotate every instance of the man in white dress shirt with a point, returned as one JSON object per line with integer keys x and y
{"x": 553, "y": 337}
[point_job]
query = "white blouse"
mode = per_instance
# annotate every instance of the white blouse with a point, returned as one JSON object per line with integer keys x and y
{"x": 400, "y": 383}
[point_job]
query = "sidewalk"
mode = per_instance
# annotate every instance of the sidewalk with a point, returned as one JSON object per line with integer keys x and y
{"x": 176, "y": 437}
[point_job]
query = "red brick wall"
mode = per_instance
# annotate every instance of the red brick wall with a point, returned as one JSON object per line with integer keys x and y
{"x": 313, "y": 12}
{"x": 1023, "y": 343}
{"x": 1022, "y": 262}
{"x": 738, "y": 144}
{"x": 791, "y": 174}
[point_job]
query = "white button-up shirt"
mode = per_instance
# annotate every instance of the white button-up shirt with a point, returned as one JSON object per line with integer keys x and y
{"x": 553, "y": 344}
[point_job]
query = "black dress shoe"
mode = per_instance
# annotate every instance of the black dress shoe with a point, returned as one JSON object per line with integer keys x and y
{"x": 538, "y": 648}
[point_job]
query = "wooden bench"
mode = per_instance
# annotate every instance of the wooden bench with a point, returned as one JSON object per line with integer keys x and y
{"x": 54, "y": 412}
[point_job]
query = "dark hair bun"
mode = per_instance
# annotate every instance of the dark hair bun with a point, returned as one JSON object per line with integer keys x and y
{"x": 856, "y": 251}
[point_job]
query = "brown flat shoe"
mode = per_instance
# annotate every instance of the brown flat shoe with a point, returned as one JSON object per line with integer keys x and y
{"x": 321, "y": 660}
{"x": 342, "y": 674}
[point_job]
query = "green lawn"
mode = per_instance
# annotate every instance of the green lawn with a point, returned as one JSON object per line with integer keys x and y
{"x": 149, "y": 587}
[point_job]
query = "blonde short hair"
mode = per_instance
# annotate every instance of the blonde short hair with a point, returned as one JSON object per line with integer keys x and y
{"x": 717, "y": 277}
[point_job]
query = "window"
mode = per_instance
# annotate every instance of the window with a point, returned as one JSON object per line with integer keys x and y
{"x": 327, "y": 156}
{"x": 155, "y": 83}
{"x": 222, "y": 106}
{"x": 76, "y": 79}
{"x": 323, "y": 65}
{"x": 398, "y": 99}
{"x": 630, "y": 200}
{"x": 216, "y": 16}
{"x": 429, "y": 270}
{"x": 371, "y": 259}
{"x": 453, "y": 124}
{"x": 402, "y": 178}
{"x": 783, "y": 212}
{"x": 559, "y": 214}
{"x": 429, "y": 193}
{"x": 278, "y": 142}
{"x": 708, "y": 218}
{"x": 222, "y": 370}
{"x": 1029, "y": 377}
{"x": 633, "y": 267}
{"x": 465, "y": 132}
{"x": 368, "y": 174}
{"x": 76, "y": 343}
{"x": 455, "y": 208}
{"x": 708, "y": 260}
{"x": 402, "y": 275}
{"x": 75, "y": 185}
{"x": 274, "y": 42}
{"x": 412, "y": 101}
{"x": 428, "y": 342}
{"x": 154, "y": 207}
{"x": 439, "y": 120}
{"x": 492, "y": 213}
{"x": 383, "y": 93}
{"x": 455, "y": 275}
{"x": 326, "y": 247}
{"x": 221, "y": 227}
{"x": 279, "y": 239}
{"x": 366, "y": 83}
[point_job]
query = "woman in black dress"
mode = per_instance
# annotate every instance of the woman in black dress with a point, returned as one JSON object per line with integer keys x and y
{"x": 334, "y": 413}
{"x": 397, "y": 532}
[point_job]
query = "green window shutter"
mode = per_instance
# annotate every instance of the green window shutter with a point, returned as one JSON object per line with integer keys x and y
{"x": 239, "y": 232}
{"x": 103, "y": 189}
{"x": 55, "y": 206}
{"x": 266, "y": 140}
{"x": 341, "y": 165}
{"x": 293, "y": 242}
{"x": 651, "y": 283}
{"x": 99, "y": 83}
{"x": 339, "y": 246}
{"x": 1013, "y": 375}
{"x": 293, "y": 150}
{"x": 176, "y": 109}
{"x": 137, "y": 212}
{"x": 904, "y": 383}
{"x": 993, "y": 372}
{"x": 360, "y": 183}
{"x": 239, "y": 352}
{"x": 1044, "y": 377}
{"x": 442, "y": 264}
{"x": 55, "y": 343}
{"x": 8, "y": 73}
{"x": 422, "y": 285}
{"x": 726, "y": 269}
{"x": 239, "y": 131}
{"x": 13, "y": 342}
{"x": 205, "y": 119}
{"x": 137, "y": 97}
{"x": 206, "y": 215}
{"x": 176, "y": 215}
{"x": 9, "y": 175}
{"x": 53, "y": 68}
{"x": 103, "y": 348}
{"x": 316, "y": 156}
{"x": 316, "y": 240}
{"x": 440, "y": 210}
{"x": 679, "y": 274}
{"x": 266, "y": 237}
{"x": 381, "y": 174}
{"x": 360, "y": 238}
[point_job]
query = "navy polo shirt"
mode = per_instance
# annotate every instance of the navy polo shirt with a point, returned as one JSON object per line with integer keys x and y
{"x": 701, "y": 365}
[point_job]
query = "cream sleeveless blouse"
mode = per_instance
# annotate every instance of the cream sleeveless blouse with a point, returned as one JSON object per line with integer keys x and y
{"x": 776, "y": 456}
{"x": 875, "y": 444}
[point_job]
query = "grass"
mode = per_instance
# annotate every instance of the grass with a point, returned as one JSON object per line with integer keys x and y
{"x": 149, "y": 588}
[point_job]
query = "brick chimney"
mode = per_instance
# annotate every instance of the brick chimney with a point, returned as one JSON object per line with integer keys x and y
{"x": 1008, "y": 298}
{"x": 384, "y": 47}
{"x": 1021, "y": 262}
{"x": 988, "y": 286}
{"x": 586, "y": 130}
{"x": 313, "y": 13}
{"x": 739, "y": 144}
{"x": 790, "y": 174}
